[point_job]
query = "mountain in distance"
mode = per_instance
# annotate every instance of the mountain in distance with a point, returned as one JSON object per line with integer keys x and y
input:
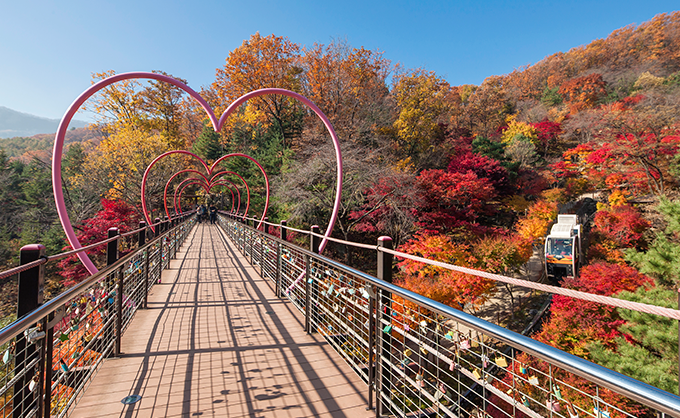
{"x": 19, "y": 124}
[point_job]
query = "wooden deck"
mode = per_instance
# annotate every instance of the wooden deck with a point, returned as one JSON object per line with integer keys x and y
{"x": 217, "y": 342}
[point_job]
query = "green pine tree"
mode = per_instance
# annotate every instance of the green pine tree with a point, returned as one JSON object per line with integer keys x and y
{"x": 650, "y": 350}
{"x": 650, "y": 353}
{"x": 207, "y": 145}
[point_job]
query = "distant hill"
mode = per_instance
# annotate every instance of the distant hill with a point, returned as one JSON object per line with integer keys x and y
{"x": 41, "y": 145}
{"x": 18, "y": 124}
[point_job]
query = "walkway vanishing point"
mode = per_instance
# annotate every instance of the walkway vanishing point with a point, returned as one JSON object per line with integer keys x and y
{"x": 215, "y": 341}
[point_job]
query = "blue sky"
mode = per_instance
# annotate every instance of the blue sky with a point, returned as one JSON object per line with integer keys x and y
{"x": 48, "y": 49}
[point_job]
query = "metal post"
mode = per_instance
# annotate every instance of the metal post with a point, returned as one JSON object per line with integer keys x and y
{"x": 284, "y": 231}
{"x": 111, "y": 258}
{"x": 313, "y": 240}
{"x": 262, "y": 243}
{"x": 385, "y": 273}
{"x": 49, "y": 350}
{"x": 141, "y": 235}
{"x": 371, "y": 351}
{"x": 157, "y": 229}
{"x": 308, "y": 299}
{"x": 112, "y": 247}
{"x": 29, "y": 298}
{"x": 147, "y": 255}
{"x": 265, "y": 225}
{"x": 278, "y": 269}
{"x": 119, "y": 312}
{"x": 141, "y": 241}
{"x": 312, "y": 286}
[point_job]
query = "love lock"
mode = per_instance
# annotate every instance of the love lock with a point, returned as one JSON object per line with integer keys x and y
{"x": 34, "y": 334}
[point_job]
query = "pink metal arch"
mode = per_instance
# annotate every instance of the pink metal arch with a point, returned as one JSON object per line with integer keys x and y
{"x": 327, "y": 123}
{"x": 59, "y": 146}
{"x": 146, "y": 176}
{"x": 177, "y": 199}
{"x": 266, "y": 179}
{"x": 217, "y": 124}
{"x": 167, "y": 185}
{"x": 225, "y": 172}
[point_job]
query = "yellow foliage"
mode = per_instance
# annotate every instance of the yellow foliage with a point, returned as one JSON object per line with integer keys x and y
{"x": 646, "y": 80}
{"x": 554, "y": 195}
{"x": 121, "y": 159}
{"x": 617, "y": 198}
{"x": 517, "y": 203}
{"x": 421, "y": 97}
{"x": 519, "y": 128}
{"x": 533, "y": 229}
{"x": 405, "y": 165}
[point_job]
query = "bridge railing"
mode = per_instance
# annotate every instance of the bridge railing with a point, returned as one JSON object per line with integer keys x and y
{"x": 421, "y": 358}
{"x": 51, "y": 354}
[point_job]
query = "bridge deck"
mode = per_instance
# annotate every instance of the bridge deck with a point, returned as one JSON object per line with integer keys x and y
{"x": 217, "y": 342}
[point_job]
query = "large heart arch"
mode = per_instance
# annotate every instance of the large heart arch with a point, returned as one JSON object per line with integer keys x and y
{"x": 217, "y": 125}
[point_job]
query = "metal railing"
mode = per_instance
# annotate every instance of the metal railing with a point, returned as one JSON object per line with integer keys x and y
{"x": 421, "y": 358}
{"x": 51, "y": 354}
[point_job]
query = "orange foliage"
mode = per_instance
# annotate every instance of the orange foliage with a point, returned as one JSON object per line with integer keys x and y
{"x": 583, "y": 92}
{"x": 446, "y": 286}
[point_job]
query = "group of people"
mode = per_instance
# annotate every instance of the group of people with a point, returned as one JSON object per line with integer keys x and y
{"x": 205, "y": 213}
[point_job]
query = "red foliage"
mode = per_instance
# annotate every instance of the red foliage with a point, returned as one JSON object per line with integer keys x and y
{"x": 116, "y": 214}
{"x": 387, "y": 200}
{"x": 446, "y": 286}
{"x": 452, "y": 201}
{"x": 627, "y": 102}
{"x": 617, "y": 228}
{"x": 483, "y": 167}
{"x": 575, "y": 323}
{"x": 530, "y": 183}
{"x": 547, "y": 132}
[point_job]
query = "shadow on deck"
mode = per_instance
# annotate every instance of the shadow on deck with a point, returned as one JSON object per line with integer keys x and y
{"x": 216, "y": 341}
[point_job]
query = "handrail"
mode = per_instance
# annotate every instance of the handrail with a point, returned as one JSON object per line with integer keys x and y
{"x": 636, "y": 390}
{"x": 18, "y": 326}
{"x": 592, "y": 297}
{"x": 43, "y": 260}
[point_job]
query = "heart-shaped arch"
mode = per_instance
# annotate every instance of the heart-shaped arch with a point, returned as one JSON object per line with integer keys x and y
{"x": 167, "y": 185}
{"x": 217, "y": 125}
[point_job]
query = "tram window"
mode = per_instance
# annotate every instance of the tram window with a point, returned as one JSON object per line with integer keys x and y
{"x": 560, "y": 247}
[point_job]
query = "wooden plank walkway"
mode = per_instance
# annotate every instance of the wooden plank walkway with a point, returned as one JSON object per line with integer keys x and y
{"x": 217, "y": 342}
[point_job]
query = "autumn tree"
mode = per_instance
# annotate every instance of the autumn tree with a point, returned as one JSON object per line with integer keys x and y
{"x": 349, "y": 86}
{"x": 502, "y": 254}
{"x": 614, "y": 229}
{"x": 484, "y": 108}
{"x": 583, "y": 92}
{"x": 452, "y": 202}
{"x": 483, "y": 167}
{"x": 420, "y": 97}
{"x": 118, "y": 163}
{"x": 388, "y": 209}
{"x": 647, "y": 136}
{"x": 131, "y": 104}
{"x": 163, "y": 104}
{"x": 115, "y": 213}
{"x": 446, "y": 286}
{"x": 261, "y": 62}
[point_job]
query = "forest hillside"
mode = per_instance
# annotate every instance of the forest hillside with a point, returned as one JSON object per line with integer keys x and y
{"x": 471, "y": 173}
